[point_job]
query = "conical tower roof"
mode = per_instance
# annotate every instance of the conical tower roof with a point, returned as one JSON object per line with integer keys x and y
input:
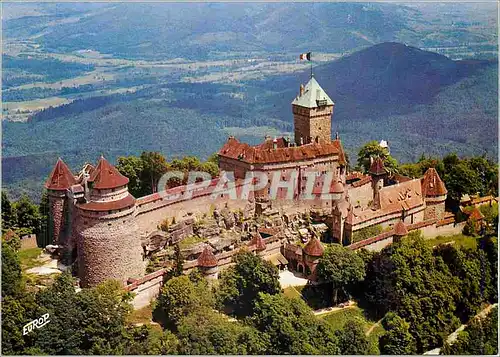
{"x": 259, "y": 243}
{"x": 313, "y": 96}
{"x": 106, "y": 176}
{"x": 60, "y": 178}
{"x": 432, "y": 185}
{"x": 314, "y": 248}
{"x": 377, "y": 167}
{"x": 400, "y": 229}
{"x": 337, "y": 187}
{"x": 350, "y": 218}
{"x": 207, "y": 259}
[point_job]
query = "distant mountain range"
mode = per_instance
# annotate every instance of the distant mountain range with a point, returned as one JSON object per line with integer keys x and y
{"x": 419, "y": 101}
{"x": 200, "y": 30}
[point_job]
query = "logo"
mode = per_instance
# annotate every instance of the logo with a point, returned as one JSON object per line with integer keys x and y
{"x": 35, "y": 324}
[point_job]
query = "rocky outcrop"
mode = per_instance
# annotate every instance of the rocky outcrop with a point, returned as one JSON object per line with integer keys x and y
{"x": 155, "y": 241}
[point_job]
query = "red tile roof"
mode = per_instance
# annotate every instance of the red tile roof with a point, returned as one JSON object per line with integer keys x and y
{"x": 476, "y": 214}
{"x": 377, "y": 167}
{"x": 337, "y": 187}
{"x": 314, "y": 248}
{"x": 60, "y": 178}
{"x": 484, "y": 199}
{"x": 364, "y": 180}
{"x": 400, "y": 229}
{"x": 432, "y": 185}
{"x": 106, "y": 176}
{"x": 269, "y": 231}
{"x": 207, "y": 259}
{"x": 258, "y": 242}
{"x": 395, "y": 198}
{"x": 101, "y": 206}
{"x": 262, "y": 153}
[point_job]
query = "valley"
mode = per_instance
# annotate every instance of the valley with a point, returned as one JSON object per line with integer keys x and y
{"x": 65, "y": 97}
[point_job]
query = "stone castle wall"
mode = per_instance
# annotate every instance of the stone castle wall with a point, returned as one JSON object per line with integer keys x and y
{"x": 109, "y": 249}
{"x": 361, "y": 196}
{"x": 434, "y": 209}
{"x": 56, "y": 204}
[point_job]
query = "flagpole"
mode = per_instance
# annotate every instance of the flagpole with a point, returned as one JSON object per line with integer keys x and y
{"x": 311, "y": 66}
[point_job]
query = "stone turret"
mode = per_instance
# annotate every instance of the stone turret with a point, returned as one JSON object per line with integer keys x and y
{"x": 434, "y": 192}
{"x": 208, "y": 264}
{"x": 59, "y": 181}
{"x": 378, "y": 174}
{"x": 400, "y": 231}
{"x": 258, "y": 242}
{"x": 312, "y": 114}
{"x": 108, "y": 239}
{"x": 313, "y": 251}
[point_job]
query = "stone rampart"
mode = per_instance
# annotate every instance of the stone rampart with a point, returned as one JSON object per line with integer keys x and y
{"x": 109, "y": 249}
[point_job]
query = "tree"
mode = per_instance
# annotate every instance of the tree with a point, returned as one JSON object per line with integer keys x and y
{"x": 180, "y": 296}
{"x": 373, "y": 149}
{"x": 474, "y": 274}
{"x": 208, "y": 332}
{"x": 11, "y": 271}
{"x": 489, "y": 246}
{"x": 89, "y": 322}
{"x": 397, "y": 340}
{"x": 132, "y": 168}
{"x": 16, "y": 312}
{"x": 27, "y": 215}
{"x": 407, "y": 279}
{"x": 240, "y": 284}
{"x": 8, "y": 213}
{"x": 341, "y": 267}
{"x": 292, "y": 327}
{"x": 43, "y": 237}
{"x": 177, "y": 268}
{"x": 352, "y": 339}
{"x": 480, "y": 337}
{"x": 461, "y": 179}
{"x": 154, "y": 166}
{"x": 144, "y": 340}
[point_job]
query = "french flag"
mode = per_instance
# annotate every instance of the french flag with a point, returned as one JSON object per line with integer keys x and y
{"x": 306, "y": 56}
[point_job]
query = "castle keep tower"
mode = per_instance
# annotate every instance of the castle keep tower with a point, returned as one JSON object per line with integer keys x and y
{"x": 312, "y": 114}
{"x": 108, "y": 240}
{"x": 434, "y": 192}
{"x": 60, "y": 180}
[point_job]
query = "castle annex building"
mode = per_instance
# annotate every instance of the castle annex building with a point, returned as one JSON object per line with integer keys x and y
{"x": 98, "y": 223}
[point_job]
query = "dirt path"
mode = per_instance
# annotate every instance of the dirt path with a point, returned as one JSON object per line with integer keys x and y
{"x": 352, "y": 304}
{"x": 370, "y": 330}
{"x": 453, "y": 336}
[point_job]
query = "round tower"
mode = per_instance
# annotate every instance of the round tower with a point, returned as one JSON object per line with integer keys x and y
{"x": 434, "y": 192}
{"x": 312, "y": 252}
{"x": 57, "y": 184}
{"x": 208, "y": 264}
{"x": 258, "y": 242}
{"x": 378, "y": 173}
{"x": 108, "y": 243}
{"x": 400, "y": 231}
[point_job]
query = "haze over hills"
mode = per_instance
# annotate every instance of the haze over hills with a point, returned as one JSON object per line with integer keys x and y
{"x": 420, "y": 101}
{"x": 155, "y": 77}
{"x": 201, "y": 30}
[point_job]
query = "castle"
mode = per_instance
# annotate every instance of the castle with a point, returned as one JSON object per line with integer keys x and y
{"x": 98, "y": 223}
